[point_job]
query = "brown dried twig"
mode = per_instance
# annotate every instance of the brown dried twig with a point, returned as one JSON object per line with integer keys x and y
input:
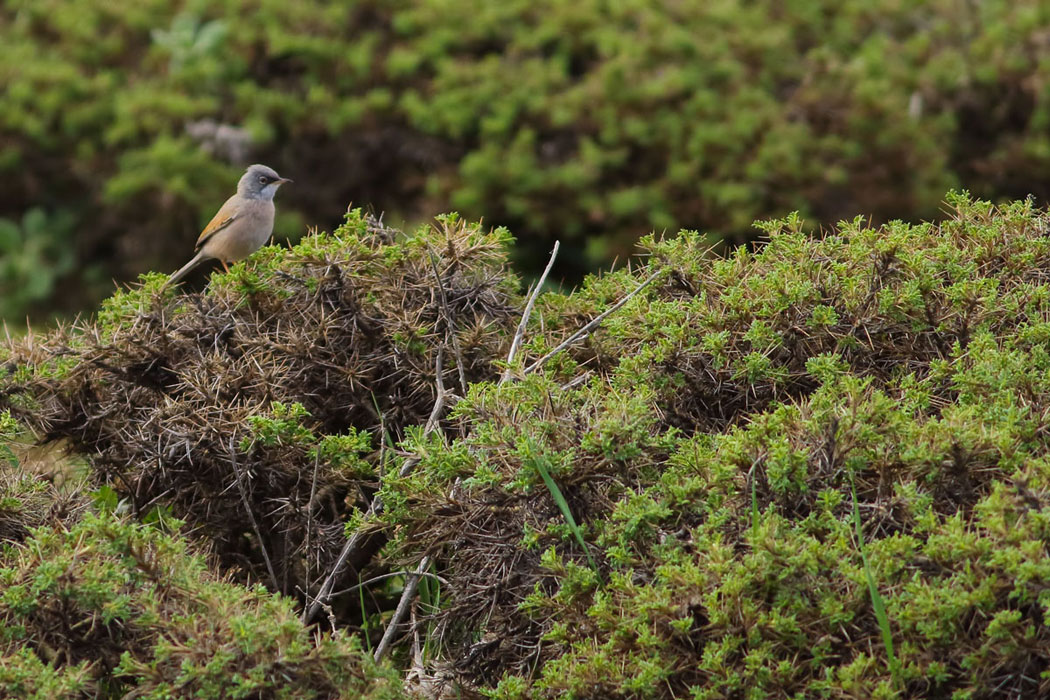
{"x": 391, "y": 574}
{"x": 251, "y": 516}
{"x": 309, "y": 516}
{"x": 595, "y": 322}
{"x": 519, "y": 335}
{"x": 402, "y": 607}
{"x": 451, "y": 323}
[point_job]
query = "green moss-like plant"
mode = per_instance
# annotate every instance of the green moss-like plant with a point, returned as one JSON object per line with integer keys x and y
{"x": 908, "y": 360}
{"x": 128, "y": 610}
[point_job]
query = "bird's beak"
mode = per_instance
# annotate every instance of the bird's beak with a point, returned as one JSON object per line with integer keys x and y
{"x": 283, "y": 180}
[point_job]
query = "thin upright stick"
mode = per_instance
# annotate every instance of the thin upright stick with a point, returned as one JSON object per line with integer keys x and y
{"x": 251, "y": 516}
{"x": 519, "y": 335}
{"x": 592, "y": 325}
{"x": 309, "y": 518}
{"x": 402, "y": 607}
{"x": 439, "y": 400}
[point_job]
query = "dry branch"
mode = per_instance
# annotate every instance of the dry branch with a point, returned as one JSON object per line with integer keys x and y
{"x": 238, "y": 476}
{"x": 450, "y": 323}
{"x": 519, "y": 334}
{"x": 402, "y": 607}
{"x": 595, "y": 322}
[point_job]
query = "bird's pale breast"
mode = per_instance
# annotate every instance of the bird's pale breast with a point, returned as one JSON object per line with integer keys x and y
{"x": 248, "y": 232}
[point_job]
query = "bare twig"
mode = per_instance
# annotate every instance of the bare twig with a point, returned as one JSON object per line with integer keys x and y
{"x": 576, "y": 381}
{"x": 519, "y": 335}
{"x": 325, "y": 593}
{"x": 450, "y": 323}
{"x": 439, "y": 400}
{"x": 383, "y": 437}
{"x": 402, "y": 607}
{"x": 310, "y": 518}
{"x": 355, "y": 540}
{"x": 251, "y": 516}
{"x": 592, "y": 325}
{"x": 390, "y": 575}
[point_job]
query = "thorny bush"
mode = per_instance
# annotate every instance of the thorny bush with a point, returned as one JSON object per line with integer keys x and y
{"x": 256, "y": 408}
{"x": 712, "y": 441}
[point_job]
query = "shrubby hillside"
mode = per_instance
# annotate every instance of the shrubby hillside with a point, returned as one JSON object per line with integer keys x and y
{"x": 123, "y": 127}
{"x": 814, "y": 470}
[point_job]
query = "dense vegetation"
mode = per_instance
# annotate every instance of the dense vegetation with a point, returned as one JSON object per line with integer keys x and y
{"x": 815, "y": 470}
{"x": 123, "y": 126}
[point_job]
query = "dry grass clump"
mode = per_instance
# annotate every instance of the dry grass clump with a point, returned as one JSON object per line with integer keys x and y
{"x": 256, "y": 411}
{"x": 26, "y": 502}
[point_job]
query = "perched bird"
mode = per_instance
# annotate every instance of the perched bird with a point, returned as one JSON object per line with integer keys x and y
{"x": 242, "y": 225}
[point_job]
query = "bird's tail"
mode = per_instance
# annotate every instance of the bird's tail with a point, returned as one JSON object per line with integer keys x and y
{"x": 185, "y": 269}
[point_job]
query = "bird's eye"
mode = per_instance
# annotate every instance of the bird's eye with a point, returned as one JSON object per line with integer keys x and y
{"x": 262, "y": 179}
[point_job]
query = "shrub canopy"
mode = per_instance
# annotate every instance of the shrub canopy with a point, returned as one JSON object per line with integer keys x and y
{"x": 815, "y": 470}
{"x": 123, "y": 128}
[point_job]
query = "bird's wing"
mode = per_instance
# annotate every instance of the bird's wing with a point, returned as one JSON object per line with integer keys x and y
{"x": 226, "y": 215}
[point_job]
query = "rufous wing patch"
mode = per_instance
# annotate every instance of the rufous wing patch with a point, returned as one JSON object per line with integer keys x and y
{"x": 223, "y": 218}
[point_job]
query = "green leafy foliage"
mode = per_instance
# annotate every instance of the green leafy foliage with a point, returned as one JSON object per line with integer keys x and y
{"x": 816, "y": 469}
{"x": 189, "y": 40}
{"x": 124, "y": 607}
{"x": 877, "y": 604}
{"x": 540, "y": 464}
{"x": 34, "y": 254}
{"x": 574, "y": 119}
{"x": 8, "y": 432}
{"x": 725, "y": 531}
{"x": 24, "y": 675}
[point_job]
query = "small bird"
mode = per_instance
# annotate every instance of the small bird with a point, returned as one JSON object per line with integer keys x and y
{"x": 242, "y": 225}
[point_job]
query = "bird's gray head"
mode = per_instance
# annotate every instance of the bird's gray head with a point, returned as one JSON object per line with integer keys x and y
{"x": 260, "y": 182}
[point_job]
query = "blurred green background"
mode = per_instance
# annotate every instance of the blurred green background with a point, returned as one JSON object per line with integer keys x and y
{"x": 124, "y": 125}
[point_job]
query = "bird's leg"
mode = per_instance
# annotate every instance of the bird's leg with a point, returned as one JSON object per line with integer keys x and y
{"x": 225, "y": 266}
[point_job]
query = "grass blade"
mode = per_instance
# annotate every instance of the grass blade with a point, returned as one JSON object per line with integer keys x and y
{"x": 754, "y": 505}
{"x": 877, "y": 603}
{"x": 542, "y": 466}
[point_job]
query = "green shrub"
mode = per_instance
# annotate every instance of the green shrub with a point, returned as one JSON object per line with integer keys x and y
{"x": 722, "y": 519}
{"x": 668, "y": 508}
{"x": 254, "y": 410}
{"x": 34, "y": 254}
{"x": 116, "y": 608}
{"x": 572, "y": 119}
{"x": 24, "y": 675}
